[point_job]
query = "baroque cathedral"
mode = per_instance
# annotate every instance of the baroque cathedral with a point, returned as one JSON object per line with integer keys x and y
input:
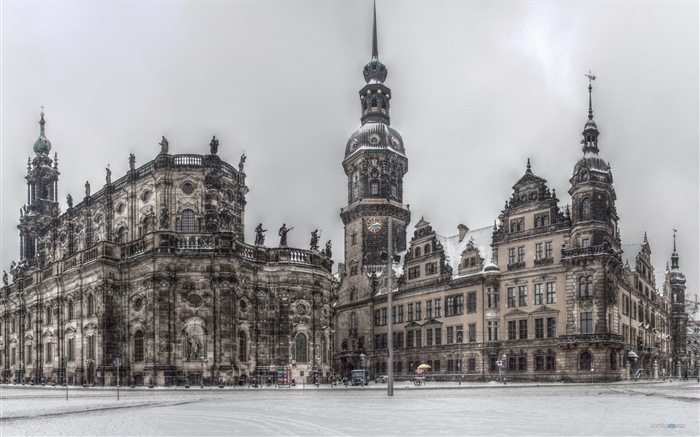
{"x": 149, "y": 279}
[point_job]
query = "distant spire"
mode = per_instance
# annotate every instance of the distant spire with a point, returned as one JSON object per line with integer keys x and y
{"x": 674, "y": 256}
{"x": 375, "y": 50}
{"x": 590, "y": 130}
{"x": 529, "y": 170}
{"x": 591, "y": 78}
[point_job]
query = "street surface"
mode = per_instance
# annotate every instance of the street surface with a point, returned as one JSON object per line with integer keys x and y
{"x": 438, "y": 409}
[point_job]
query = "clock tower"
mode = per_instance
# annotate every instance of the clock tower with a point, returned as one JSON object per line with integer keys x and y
{"x": 375, "y": 164}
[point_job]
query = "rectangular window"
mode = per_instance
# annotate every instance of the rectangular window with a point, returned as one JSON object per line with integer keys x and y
{"x": 418, "y": 338}
{"x": 400, "y": 316}
{"x": 551, "y": 326}
{"x": 539, "y": 363}
{"x": 551, "y": 363}
{"x": 377, "y": 342}
{"x": 521, "y": 254}
{"x": 429, "y": 337}
{"x": 539, "y": 251}
{"x": 512, "y": 364}
{"x": 438, "y": 336}
{"x": 539, "y": 328}
{"x": 430, "y": 269}
{"x": 471, "y": 302}
{"x": 393, "y": 314}
{"x": 471, "y": 365}
{"x": 454, "y": 305}
{"x": 383, "y": 312}
{"x": 523, "y": 329}
{"x": 450, "y": 365}
{"x": 471, "y": 332}
{"x": 418, "y": 311}
{"x": 522, "y": 363}
{"x": 409, "y": 339}
{"x": 511, "y": 256}
{"x": 414, "y": 272}
{"x": 450, "y": 335}
{"x": 548, "y": 250}
{"x": 374, "y": 188}
{"x": 538, "y": 294}
{"x": 511, "y": 297}
{"x": 49, "y": 320}
{"x": 398, "y": 342}
{"x": 586, "y": 323}
{"x": 49, "y": 352}
{"x": 492, "y": 296}
{"x": 410, "y": 312}
{"x": 92, "y": 347}
{"x": 377, "y": 318}
{"x": 511, "y": 330}
{"x": 493, "y": 366}
{"x": 437, "y": 308}
{"x": 70, "y": 352}
{"x": 551, "y": 292}
{"x": 493, "y": 331}
{"x": 585, "y": 242}
{"x": 428, "y": 309}
{"x": 28, "y": 354}
{"x": 522, "y": 295}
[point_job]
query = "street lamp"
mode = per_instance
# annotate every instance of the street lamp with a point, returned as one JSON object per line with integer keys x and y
{"x": 201, "y": 377}
{"x": 459, "y": 348}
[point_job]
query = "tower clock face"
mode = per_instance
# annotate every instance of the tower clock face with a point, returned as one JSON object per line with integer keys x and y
{"x": 374, "y": 224}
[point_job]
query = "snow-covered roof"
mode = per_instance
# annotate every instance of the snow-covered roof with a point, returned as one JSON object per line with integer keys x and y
{"x": 482, "y": 238}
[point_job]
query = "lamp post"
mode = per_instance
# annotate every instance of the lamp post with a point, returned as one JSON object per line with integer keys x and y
{"x": 460, "y": 337}
{"x": 201, "y": 377}
{"x": 117, "y": 362}
{"x": 65, "y": 365}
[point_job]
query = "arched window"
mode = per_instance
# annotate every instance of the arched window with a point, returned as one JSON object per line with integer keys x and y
{"x": 613, "y": 360}
{"x": 300, "y": 348}
{"x": 70, "y": 310}
{"x": 586, "y": 209}
{"x": 426, "y": 249}
{"x": 417, "y": 252}
{"x": 138, "y": 346}
{"x": 585, "y": 286}
{"x": 242, "y": 346}
{"x": 585, "y": 361}
{"x": 188, "y": 222}
{"x": 90, "y": 305}
{"x": 121, "y": 235}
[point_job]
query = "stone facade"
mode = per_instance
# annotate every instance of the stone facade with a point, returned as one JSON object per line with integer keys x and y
{"x": 152, "y": 272}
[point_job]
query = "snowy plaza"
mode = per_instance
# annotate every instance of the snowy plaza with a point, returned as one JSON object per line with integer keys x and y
{"x": 627, "y": 408}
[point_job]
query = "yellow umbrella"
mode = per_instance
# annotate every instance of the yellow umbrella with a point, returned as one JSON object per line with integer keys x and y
{"x": 424, "y": 366}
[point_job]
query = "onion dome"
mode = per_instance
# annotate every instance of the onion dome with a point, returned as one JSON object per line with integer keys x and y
{"x": 42, "y": 146}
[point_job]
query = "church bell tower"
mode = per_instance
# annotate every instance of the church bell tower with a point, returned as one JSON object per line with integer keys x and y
{"x": 42, "y": 200}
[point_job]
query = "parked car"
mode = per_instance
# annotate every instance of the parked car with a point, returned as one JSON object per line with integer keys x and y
{"x": 381, "y": 378}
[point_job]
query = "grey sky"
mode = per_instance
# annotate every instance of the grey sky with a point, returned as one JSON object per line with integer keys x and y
{"x": 477, "y": 89}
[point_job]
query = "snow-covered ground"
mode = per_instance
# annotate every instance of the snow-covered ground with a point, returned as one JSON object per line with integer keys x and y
{"x": 439, "y": 409}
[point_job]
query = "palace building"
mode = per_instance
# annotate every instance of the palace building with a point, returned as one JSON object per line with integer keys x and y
{"x": 549, "y": 292}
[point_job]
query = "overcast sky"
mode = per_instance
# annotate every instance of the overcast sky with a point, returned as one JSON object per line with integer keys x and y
{"x": 477, "y": 89}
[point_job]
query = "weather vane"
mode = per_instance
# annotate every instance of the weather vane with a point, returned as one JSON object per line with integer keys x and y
{"x": 590, "y": 76}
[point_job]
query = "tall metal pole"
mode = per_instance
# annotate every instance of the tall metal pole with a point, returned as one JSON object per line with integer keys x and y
{"x": 390, "y": 330}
